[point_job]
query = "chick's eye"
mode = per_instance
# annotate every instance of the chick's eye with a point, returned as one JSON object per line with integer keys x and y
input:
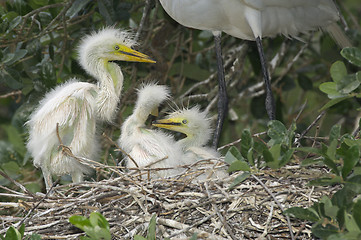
{"x": 184, "y": 121}
{"x": 116, "y": 47}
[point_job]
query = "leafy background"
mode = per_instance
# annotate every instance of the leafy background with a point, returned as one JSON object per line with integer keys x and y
{"x": 38, "y": 40}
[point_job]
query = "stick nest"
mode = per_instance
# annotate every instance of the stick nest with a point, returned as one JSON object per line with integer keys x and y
{"x": 183, "y": 206}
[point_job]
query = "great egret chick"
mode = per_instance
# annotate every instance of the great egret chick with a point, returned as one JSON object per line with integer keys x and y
{"x": 76, "y": 106}
{"x": 150, "y": 147}
{"x": 196, "y": 125}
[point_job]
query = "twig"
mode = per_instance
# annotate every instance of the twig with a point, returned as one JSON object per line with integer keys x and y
{"x": 297, "y": 140}
{"x": 120, "y": 149}
{"x": 17, "y": 184}
{"x": 224, "y": 222}
{"x": 278, "y": 204}
{"x": 37, "y": 205}
{"x": 11, "y": 94}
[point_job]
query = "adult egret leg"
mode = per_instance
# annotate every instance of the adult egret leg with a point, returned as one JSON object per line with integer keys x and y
{"x": 270, "y": 102}
{"x": 222, "y": 92}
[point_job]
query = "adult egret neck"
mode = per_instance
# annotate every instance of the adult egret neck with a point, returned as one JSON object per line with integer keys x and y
{"x": 148, "y": 147}
{"x": 75, "y": 106}
{"x": 253, "y": 20}
{"x": 196, "y": 125}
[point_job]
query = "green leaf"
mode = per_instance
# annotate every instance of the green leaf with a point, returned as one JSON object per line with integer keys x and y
{"x": 286, "y": 157}
{"x": 353, "y": 55}
{"x": 330, "y": 88}
{"x": 76, "y": 7}
{"x": 354, "y": 184}
{"x": 325, "y": 181}
{"x": 338, "y": 71}
{"x": 233, "y": 155}
{"x": 324, "y": 232}
{"x": 240, "y": 178}
{"x": 350, "y": 159}
{"x": 356, "y": 212}
{"x": 350, "y": 223}
{"x": 348, "y": 84}
{"x": 15, "y": 139}
{"x": 308, "y": 214}
{"x": 11, "y": 58}
{"x": 22, "y": 230}
{"x": 194, "y": 236}
{"x": 11, "y": 78}
{"x": 239, "y": 166}
{"x": 246, "y": 143}
{"x": 152, "y": 228}
{"x": 14, "y": 23}
{"x": 96, "y": 219}
{"x": 334, "y": 102}
{"x": 345, "y": 236}
{"x": 13, "y": 234}
{"x": 277, "y": 132}
{"x": 106, "y": 9}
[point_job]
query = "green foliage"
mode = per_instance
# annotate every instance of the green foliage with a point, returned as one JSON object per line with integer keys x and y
{"x": 96, "y": 226}
{"x": 151, "y": 230}
{"x": 344, "y": 84}
{"x": 277, "y": 153}
{"x": 335, "y": 218}
{"x": 342, "y": 155}
{"x": 14, "y": 234}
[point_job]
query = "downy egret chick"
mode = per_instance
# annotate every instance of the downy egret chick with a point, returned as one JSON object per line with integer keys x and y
{"x": 76, "y": 106}
{"x": 148, "y": 147}
{"x": 196, "y": 125}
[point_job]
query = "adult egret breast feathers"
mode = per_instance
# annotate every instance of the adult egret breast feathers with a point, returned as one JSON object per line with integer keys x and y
{"x": 253, "y": 20}
{"x": 76, "y": 106}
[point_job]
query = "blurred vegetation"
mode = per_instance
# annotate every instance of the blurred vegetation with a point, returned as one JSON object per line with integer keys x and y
{"x": 38, "y": 40}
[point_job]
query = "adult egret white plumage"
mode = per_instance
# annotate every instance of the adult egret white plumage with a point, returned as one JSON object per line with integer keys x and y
{"x": 76, "y": 106}
{"x": 149, "y": 147}
{"x": 253, "y": 20}
{"x": 197, "y": 127}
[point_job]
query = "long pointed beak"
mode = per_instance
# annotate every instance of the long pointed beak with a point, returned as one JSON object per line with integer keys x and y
{"x": 166, "y": 123}
{"x": 130, "y": 55}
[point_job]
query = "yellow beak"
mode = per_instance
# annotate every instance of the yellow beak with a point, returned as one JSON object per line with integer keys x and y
{"x": 127, "y": 54}
{"x": 169, "y": 123}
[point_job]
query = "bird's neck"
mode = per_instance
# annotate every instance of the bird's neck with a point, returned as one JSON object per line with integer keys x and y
{"x": 192, "y": 140}
{"x": 110, "y": 83}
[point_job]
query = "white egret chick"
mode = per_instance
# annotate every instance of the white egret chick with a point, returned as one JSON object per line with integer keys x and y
{"x": 76, "y": 106}
{"x": 253, "y": 20}
{"x": 149, "y": 147}
{"x": 196, "y": 125}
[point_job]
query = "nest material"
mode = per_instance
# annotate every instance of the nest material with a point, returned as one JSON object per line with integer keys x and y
{"x": 183, "y": 206}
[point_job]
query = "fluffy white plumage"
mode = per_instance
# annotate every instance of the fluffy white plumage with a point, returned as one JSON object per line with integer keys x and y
{"x": 72, "y": 106}
{"x": 147, "y": 146}
{"x": 77, "y": 106}
{"x": 196, "y": 125}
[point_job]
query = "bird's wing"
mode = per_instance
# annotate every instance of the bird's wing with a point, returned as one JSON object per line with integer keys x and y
{"x": 271, "y": 17}
{"x": 72, "y": 107}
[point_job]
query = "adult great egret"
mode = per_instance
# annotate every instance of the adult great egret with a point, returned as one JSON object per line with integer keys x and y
{"x": 253, "y": 20}
{"x": 197, "y": 127}
{"x": 69, "y": 112}
{"x": 149, "y": 147}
